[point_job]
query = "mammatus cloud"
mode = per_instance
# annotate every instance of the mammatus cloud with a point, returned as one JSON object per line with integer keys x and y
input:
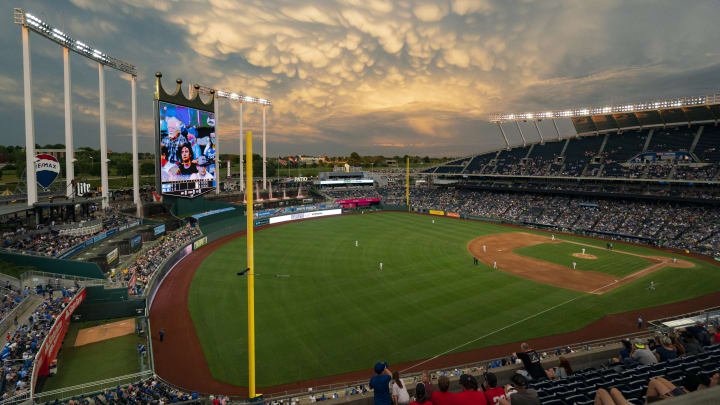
{"x": 425, "y": 73}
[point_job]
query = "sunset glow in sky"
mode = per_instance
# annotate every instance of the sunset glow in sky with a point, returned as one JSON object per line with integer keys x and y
{"x": 371, "y": 76}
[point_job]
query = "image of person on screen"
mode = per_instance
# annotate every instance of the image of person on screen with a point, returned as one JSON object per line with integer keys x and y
{"x": 192, "y": 136}
{"x": 210, "y": 149}
{"x": 202, "y": 174}
{"x": 185, "y": 158}
{"x": 174, "y": 139}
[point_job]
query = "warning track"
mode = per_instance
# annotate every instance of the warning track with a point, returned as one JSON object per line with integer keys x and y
{"x": 180, "y": 360}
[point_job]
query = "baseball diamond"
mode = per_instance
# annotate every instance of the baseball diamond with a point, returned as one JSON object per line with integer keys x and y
{"x": 326, "y": 308}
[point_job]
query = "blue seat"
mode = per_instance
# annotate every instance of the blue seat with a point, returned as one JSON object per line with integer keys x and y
{"x": 635, "y": 393}
{"x": 554, "y": 402}
{"x": 575, "y": 399}
{"x": 693, "y": 370}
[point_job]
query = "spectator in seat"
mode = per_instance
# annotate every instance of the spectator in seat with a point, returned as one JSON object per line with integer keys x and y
{"x": 531, "y": 361}
{"x": 660, "y": 388}
{"x": 700, "y": 333}
{"x": 493, "y": 393}
{"x": 522, "y": 395}
{"x": 380, "y": 384}
{"x": 443, "y": 396}
{"x": 429, "y": 387}
{"x": 641, "y": 354}
{"x": 625, "y": 351}
{"x": 716, "y": 336}
{"x": 400, "y": 394}
{"x": 691, "y": 344}
{"x": 563, "y": 370}
{"x": 469, "y": 395}
{"x": 677, "y": 344}
{"x": 614, "y": 397}
{"x": 666, "y": 351}
{"x": 421, "y": 397}
{"x": 695, "y": 382}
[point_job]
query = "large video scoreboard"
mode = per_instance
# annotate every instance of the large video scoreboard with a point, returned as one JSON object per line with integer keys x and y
{"x": 186, "y": 149}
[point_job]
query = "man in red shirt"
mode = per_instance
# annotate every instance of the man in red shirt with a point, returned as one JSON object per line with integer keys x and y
{"x": 493, "y": 393}
{"x": 469, "y": 395}
{"x": 443, "y": 396}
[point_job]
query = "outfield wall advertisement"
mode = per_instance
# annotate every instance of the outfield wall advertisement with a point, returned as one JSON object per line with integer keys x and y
{"x": 159, "y": 229}
{"x": 304, "y": 215}
{"x": 436, "y": 212}
{"x": 51, "y": 345}
{"x": 199, "y": 243}
{"x": 112, "y": 256}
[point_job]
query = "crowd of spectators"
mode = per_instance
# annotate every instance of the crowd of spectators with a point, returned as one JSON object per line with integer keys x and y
{"x": 149, "y": 261}
{"x": 666, "y": 224}
{"x": 351, "y": 193}
{"x": 150, "y": 391}
{"x": 51, "y": 240}
{"x": 11, "y": 299}
{"x": 20, "y": 348}
{"x": 606, "y": 384}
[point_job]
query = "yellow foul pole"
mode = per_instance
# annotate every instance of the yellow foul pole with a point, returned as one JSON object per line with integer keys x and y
{"x": 250, "y": 264}
{"x": 407, "y": 182}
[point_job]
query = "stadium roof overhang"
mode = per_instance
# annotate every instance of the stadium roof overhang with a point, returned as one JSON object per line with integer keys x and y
{"x": 60, "y": 202}
{"x": 617, "y": 118}
{"x": 12, "y": 209}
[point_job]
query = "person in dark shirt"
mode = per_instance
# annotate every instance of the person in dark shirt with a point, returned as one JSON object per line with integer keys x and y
{"x": 421, "y": 397}
{"x": 380, "y": 384}
{"x": 429, "y": 387}
{"x": 666, "y": 351}
{"x": 185, "y": 158}
{"x": 531, "y": 361}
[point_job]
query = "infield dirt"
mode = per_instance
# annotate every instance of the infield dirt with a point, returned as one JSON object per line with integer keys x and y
{"x": 499, "y": 253}
{"x": 180, "y": 359}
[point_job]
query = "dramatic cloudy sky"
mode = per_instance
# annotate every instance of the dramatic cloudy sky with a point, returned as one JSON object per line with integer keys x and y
{"x": 372, "y": 76}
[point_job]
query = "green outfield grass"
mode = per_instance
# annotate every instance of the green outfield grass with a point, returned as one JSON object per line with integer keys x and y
{"x": 95, "y": 361}
{"x": 615, "y": 263}
{"x": 333, "y": 311}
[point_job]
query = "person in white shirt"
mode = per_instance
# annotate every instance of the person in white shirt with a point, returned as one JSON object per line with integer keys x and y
{"x": 400, "y": 394}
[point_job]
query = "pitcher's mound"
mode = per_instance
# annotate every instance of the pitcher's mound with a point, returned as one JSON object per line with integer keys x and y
{"x": 584, "y": 256}
{"x": 105, "y": 332}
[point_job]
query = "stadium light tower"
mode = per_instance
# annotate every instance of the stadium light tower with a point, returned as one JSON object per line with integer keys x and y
{"x": 242, "y": 99}
{"x": 30, "y": 22}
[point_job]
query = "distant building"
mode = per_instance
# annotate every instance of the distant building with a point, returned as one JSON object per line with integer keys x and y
{"x": 56, "y": 153}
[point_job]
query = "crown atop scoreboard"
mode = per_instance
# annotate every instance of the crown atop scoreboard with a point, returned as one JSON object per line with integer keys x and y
{"x": 178, "y": 97}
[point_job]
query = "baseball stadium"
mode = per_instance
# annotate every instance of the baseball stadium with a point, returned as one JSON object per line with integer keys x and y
{"x": 576, "y": 261}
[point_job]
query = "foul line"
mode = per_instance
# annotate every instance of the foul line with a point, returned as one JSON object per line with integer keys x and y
{"x": 505, "y": 327}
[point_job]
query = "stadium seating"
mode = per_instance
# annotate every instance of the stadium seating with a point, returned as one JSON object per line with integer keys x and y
{"x": 662, "y": 223}
{"x": 578, "y": 154}
{"x": 548, "y": 159}
{"x": 542, "y": 157}
{"x": 632, "y": 381}
{"x": 508, "y": 160}
{"x": 479, "y": 162}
